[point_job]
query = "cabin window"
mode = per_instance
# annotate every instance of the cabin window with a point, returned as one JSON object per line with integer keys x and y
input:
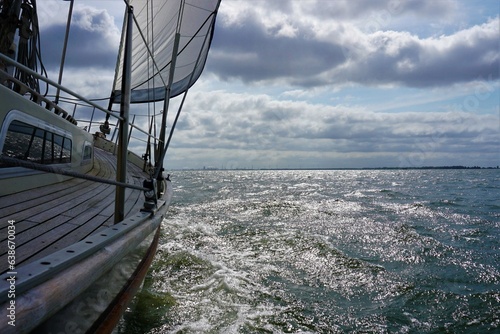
{"x": 27, "y": 142}
{"x": 87, "y": 151}
{"x": 66, "y": 150}
{"x": 48, "y": 149}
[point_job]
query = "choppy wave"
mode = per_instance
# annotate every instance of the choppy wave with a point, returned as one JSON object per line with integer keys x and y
{"x": 326, "y": 252}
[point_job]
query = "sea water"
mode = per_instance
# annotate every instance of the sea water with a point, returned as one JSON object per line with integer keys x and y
{"x": 337, "y": 251}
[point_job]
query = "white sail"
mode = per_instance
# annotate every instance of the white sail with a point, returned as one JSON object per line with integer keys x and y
{"x": 158, "y": 23}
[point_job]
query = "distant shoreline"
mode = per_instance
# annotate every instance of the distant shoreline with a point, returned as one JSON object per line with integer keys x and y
{"x": 361, "y": 168}
{"x": 382, "y": 168}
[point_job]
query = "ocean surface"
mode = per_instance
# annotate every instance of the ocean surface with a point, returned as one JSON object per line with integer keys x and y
{"x": 339, "y": 251}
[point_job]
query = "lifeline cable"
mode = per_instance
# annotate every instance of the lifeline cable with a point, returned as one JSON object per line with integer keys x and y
{"x": 13, "y": 162}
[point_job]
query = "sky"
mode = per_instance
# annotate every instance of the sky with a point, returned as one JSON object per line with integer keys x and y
{"x": 317, "y": 83}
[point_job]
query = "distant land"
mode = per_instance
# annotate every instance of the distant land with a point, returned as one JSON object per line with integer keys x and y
{"x": 362, "y": 168}
{"x": 392, "y": 168}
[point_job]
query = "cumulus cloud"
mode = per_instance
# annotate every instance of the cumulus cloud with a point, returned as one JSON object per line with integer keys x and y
{"x": 93, "y": 39}
{"x": 399, "y": 57}
{"x": 314, "y": 49}
{"x": 260, "y": 124}
{"x": 311, "y": 57}
{"x": 361, "y": 9}
{"x": 259, "y": 57}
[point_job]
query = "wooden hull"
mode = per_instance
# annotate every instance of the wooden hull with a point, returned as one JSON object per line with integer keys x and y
{"x": 41, "y": 298}
{"x": 110, "y": 317}
{"x": 76, "y": 236}
{"x": 75, "y": 271}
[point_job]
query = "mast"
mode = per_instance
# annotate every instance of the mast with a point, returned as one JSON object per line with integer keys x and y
{"x": 121, "y": 168}
{"x": 163, "y": 150}
{"x": 163, "y": 127}
{"x": 184, "y": 31}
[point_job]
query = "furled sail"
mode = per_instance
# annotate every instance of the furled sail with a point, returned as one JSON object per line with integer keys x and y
{"x": 154, "y": 38}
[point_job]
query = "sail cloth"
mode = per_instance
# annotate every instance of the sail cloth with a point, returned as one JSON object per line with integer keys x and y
{"x": 157, "y": 22}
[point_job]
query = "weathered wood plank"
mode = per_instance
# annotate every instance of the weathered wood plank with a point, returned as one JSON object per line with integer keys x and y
{"x": 28, "y": 195}
{"x": 32, "y": 194}
{"x": 75, "y": 235}
{"x": 37, "y": 230}
{"x": 40, "y": 198}
{"x": 96, "y": 203}
{"x": 26, "y": 250}
{"x": 20, "y": 227}
{"x": 52, "y": 217}
{"x": 65, "y": 190}
{"x": 60, "y": 204}
{"x": 55, "y": 206}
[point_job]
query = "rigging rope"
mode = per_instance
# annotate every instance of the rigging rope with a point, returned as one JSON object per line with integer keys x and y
{"x": 29, "y": 46}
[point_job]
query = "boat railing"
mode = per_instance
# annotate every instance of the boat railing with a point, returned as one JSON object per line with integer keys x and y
{"x": 35, "y": 96}
{"x": 93, "y": 117}
{"x": 27, "y": 70}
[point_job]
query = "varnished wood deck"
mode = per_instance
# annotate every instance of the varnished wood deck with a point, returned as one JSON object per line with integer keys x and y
{"x": 52, "y": 217}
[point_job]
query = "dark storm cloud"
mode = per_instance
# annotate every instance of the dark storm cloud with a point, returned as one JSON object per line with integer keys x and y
{"x": 93, "y": 41}
{"x": 317, "y": 53}
{"x": 313, "y": 52}
{"x": 251, "y": 53}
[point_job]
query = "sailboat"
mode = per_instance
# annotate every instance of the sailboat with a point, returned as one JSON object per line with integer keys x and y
{"x": 80, "y": 212}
